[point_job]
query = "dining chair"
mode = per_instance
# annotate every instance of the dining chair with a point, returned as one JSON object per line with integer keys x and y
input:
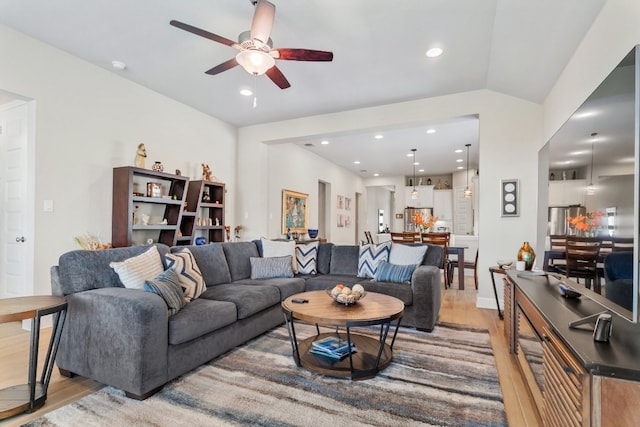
{"x": 557, "y": 242}
{"x": 440, "y": 239}
{"x": 468, "y": 265}
{"x": 582, "y": 260}
{"x": 622, "y": 244}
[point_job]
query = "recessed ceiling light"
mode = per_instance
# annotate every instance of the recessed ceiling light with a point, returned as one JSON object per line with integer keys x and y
{"x": 460, "y": 167}
{"x": 420, "y": 170}
{"x": 356, "y": 162}
{"x": 433, "y": 52}
{"x": 410, "y": 155}
{"x": 459, "y": 161}
{"x": 458, "y": 151}
{"x": 431, "y": 131}
{"x": 118, "y": 65}
{"x": 324, "y": 142}
{"x": 246, "y": 92}
{"x": 416, "y": 163}
{"x": 376, "y": 174}
{"x": 379, "y": 136}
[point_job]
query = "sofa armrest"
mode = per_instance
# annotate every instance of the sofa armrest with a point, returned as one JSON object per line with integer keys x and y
{"x": 116, "y": 336}
{"x": 426, "y": 287}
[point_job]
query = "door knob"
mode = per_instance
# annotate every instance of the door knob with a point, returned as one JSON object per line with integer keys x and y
{"x": 20, "y": 239}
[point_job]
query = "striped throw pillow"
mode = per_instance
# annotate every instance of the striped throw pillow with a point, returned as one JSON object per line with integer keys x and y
{"x": 134, "y": 271}
{"x": 268, "y": 268}
{"x": 167, "y": 285}
{"x": 369, "y": 257}
{"x": 190, "y": 276}
{"x": 306, "y": 256}
{"x": 387, "y": 272}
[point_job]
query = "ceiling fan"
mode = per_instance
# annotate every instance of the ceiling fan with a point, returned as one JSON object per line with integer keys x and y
{"x": 257, "y": 55}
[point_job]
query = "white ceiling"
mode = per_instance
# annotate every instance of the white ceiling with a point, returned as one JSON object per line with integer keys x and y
{"x": 517, "y": 47}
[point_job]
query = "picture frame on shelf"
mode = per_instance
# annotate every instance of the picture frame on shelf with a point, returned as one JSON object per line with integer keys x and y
{"x": 295, "y": 211}
{"x": 154, "y": 189}
{"x": 509, "y": 198}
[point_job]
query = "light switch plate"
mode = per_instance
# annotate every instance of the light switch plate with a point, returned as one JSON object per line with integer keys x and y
{"x": 47, "y": 206}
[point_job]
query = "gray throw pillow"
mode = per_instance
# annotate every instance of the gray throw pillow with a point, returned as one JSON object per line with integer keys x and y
{"x": 268, "y": 268}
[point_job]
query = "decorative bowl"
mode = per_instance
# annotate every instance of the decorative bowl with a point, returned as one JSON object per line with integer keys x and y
{"x": 313, "y": 233}
{"x": 505, "y": 265}
{"x": 344, "y": 295}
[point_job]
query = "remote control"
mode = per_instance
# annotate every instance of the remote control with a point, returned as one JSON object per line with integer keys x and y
{"x": 569, "y": 293}
{"x": 299, "y": 300}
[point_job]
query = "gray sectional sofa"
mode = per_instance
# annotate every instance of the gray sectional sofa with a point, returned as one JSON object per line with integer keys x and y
{"x": 124, "y": 337}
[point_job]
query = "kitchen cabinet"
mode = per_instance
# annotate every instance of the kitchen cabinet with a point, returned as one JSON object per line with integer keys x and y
{"x": 443, "y": 205}
{"x": 424, "y": 200}
{"x": 567, "y": 192}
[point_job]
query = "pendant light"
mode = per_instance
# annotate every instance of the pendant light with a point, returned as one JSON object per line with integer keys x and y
{"x": 591, "y": 189}
{"x": 467, "y": 191}
{"x": 414, "y": 193}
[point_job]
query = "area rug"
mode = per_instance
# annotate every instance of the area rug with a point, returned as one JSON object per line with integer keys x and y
{"x": 444, "y": 378}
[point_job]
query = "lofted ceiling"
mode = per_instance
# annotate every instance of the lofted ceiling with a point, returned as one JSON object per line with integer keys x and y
{"x": 516, "y": 47}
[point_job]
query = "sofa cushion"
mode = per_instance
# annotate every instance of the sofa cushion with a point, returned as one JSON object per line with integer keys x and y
{"x": 237, "y": 255}
{"x": 134, "y": 271}
{"x": 211, "y": 261}
{"x": 387, "y": 272}
{"x": 267, "y": 268}
{"x": 306, "y": 256}
{"x": 189, "y": 274}
{"x": 344, "y": 259}
{"x": 324, "y": 258}
{"x": 327, "y": 281}
{"x": 402, "y": 254}
{"x": 286, "y": 286}
{"x": 248, "y": 299}
{"x": 370, "y": 255}
{"x": 167, "y": 285}
{"x": 200, "y": 317}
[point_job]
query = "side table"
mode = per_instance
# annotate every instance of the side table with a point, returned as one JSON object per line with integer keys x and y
{"x": 31, "y": 396}
{"x": 498, "y": 270}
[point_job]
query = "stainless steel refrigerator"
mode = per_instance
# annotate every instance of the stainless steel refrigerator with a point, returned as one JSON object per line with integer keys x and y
{"x": 409, "y": 225}
{"x": 559, "y": 218}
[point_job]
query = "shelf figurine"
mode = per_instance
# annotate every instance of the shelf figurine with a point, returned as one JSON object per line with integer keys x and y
{"x": 206, "y": 172}
{"x": 141, "y": 155}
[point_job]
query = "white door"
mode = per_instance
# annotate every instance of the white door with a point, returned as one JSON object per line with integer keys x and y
{"x": 16, "y": 206}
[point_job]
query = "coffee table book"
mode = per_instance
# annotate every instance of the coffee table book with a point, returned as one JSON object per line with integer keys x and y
{"x": 333, "y": 347}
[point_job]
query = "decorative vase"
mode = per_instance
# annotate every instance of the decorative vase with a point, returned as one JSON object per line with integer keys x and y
{"x": 157, "y": 167}
{"x": 527, "y": 254}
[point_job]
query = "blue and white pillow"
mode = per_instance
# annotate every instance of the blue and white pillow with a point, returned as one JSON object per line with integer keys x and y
{"x": 402, "y": 254}
{"x": 167, "y": 285}
{"x": 306, "y": 256}
{"x": 189, "y": 273}
{"x": 387, "y": 272}
{"x": 369, "y": 257}
{"x": 269, "y": 268}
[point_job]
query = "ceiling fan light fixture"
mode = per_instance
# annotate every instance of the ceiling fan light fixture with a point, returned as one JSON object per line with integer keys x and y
{"x": 255, "y": 62}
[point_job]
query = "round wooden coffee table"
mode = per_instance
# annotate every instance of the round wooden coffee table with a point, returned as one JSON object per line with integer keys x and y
{"x": 373, "y": 353}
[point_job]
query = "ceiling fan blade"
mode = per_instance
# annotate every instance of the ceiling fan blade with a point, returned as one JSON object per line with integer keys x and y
{"x": 203, "y": 33}
{"x": 277, "y": 77}
{"x": 262, "y": 21}
{"x": 301, "y": 54}
{"x": 222, "y": 67}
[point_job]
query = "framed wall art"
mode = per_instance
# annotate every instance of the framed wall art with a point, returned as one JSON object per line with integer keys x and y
{"x": 295, "y": 211}
{"x": 509, "y": 197}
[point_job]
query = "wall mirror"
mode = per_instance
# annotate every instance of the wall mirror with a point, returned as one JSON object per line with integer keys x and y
{"x": 598, "y": 146}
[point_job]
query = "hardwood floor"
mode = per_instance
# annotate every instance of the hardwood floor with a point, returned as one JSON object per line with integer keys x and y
{"x": 457, "y": 307}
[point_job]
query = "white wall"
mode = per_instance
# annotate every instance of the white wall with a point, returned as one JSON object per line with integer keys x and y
{"x": 89, "y": 120}
{"x": 510, "y": 134}
{"x": 294, "y": 168}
